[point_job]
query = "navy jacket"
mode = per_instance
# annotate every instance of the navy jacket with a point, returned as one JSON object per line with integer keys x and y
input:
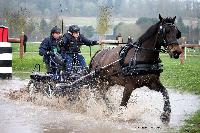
{"x": 72, "y": 45}
{"x": 47, "y": 45}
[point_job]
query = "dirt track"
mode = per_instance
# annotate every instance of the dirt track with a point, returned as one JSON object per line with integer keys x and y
{"x": 19, "y": 113}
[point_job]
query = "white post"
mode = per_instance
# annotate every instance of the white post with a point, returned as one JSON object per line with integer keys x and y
{"x": 185, "y": 51}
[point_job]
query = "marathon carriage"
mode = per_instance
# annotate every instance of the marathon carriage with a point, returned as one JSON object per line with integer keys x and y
{"x": 61, "y": 55}
{"x": 57, "y": 83}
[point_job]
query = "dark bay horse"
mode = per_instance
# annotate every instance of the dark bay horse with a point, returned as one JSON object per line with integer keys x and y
{"x": 138, "y": 64}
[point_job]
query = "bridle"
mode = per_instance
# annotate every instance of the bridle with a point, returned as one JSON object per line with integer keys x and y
{"x": 161, "y": 34}
{"x": 160, "y": 40}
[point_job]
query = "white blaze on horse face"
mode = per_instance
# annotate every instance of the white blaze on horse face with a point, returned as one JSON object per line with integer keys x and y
{"x": 174, "y": 50}
{"x": 174, "y": 47}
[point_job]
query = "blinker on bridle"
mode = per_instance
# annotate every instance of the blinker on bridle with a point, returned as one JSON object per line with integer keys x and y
{"x": 162, "y": 32}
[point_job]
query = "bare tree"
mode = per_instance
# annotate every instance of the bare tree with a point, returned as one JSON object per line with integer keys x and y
{"x": 103, "y": 20}
{"x": 16, "y": 20}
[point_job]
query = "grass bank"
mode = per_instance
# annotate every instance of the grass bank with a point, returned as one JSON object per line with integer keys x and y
{"x": 184, "y": 77}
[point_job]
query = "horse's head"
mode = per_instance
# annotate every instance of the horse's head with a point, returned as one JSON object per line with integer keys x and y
{"x": 169, "y": 35}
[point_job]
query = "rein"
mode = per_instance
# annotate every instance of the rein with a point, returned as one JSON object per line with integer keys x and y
{"x": 149, "y": 49}
{"x": 135, "y": 67}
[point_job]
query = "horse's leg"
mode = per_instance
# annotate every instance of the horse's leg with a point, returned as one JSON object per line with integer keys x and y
{"x": 100, "y": 92}
{"x": 165, "y": 116}
{"x": 103, "y": 91}
{"x": 126, "y": 94}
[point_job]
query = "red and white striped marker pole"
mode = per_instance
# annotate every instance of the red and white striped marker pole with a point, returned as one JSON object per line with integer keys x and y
{"x": 5, "y": 54}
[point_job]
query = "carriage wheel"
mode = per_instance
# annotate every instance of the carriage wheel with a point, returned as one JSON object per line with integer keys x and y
{"x": 48, "y": 89}
{"x": 33, "y": 87}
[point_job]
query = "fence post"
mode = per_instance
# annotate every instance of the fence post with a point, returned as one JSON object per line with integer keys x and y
{"x": 182, "y": 54}
{"x": 120, "y": 39}
{"x": 21, "y": 45}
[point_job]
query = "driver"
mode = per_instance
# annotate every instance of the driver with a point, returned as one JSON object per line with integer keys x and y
{"x": 49, "y": 45}
{"x": 71, "y": 48}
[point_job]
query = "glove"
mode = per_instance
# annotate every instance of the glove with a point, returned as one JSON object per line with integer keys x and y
{"x": 61, "y": 43}
{"x": 94, "y": 43}
{"x": 49, "y": 53}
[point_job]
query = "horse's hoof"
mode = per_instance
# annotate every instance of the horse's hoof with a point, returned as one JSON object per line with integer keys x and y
{"x": 165, "y": 117}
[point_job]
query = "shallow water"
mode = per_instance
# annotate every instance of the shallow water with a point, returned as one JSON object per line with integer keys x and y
{"x": 142, "y": 114}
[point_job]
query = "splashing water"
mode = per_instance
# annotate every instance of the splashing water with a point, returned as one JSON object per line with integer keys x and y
{"x": 90, "y": 115}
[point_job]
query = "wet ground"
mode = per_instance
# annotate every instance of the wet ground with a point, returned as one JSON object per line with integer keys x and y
{"x": 45, "y": 115}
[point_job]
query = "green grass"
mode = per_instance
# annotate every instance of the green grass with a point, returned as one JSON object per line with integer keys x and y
{"x": 23, "y": 67}
{"x": 192, "y": 125}
{"x": 31, "y": 47}
{"x": 185, "y": 76}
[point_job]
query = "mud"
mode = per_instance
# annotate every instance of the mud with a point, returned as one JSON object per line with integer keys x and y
{"x": 19, "y": 112}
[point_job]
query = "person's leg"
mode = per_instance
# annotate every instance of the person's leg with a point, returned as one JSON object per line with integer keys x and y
{"x": 69, "y": 62}
{"x": 46, "y": 60}
{"x": 81, "y": 60}
{"x": 48, "y": 68}
{"x": 54, "y": 68}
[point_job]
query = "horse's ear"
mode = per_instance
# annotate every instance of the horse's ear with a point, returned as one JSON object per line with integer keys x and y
{"x": 174, "y": 19}
{"x": 160, "y": 18}
{"x": 178, "y": 35}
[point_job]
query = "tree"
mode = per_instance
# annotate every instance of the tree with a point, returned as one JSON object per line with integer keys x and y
{"x": 89, "y": 9}
{"x": 126, "y": 30}
{"x": 181, "y": 26}
{"x": 17, "y": 20}
{"x": 117, "y": 7}
{"x": 88, "y": 31}
{"x": 55, "y": 21}
{"x": 43, "y": 27}
{"x": 103, "y": 19}
{"x": 115, "y": 30}
{"x": 30, "y": 27}
{"x": 42, "y": 5}
{"x": 145, "y": 22}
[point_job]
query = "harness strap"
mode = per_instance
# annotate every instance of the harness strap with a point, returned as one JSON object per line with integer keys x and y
{"x": 142, "y": 69}
{"x": 137, "y": 67}
{"x": 123, "y": 52}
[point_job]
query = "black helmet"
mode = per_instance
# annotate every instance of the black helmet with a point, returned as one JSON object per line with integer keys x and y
{"x": 55, "y": 29}
{"x": 74, "y": 28}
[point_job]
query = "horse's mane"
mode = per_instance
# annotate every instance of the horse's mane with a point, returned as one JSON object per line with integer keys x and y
{"x": 153, "y": 29}
{"x": 149, "y": 33}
